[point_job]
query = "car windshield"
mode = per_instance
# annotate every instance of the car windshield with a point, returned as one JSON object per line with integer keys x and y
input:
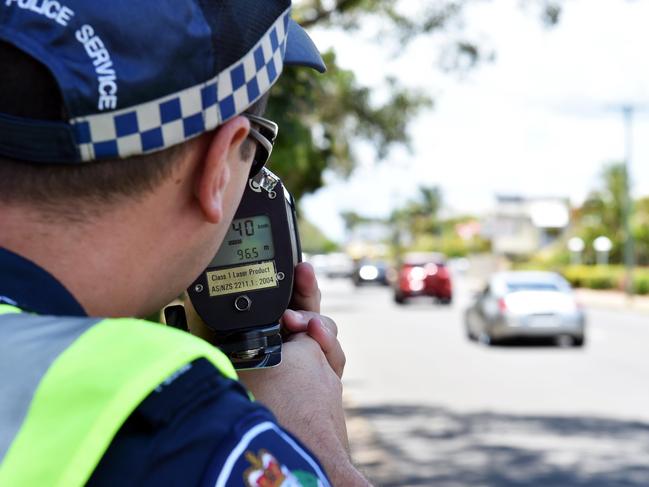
{"x": 532, "y": 286}
{"x": 420, "y": 259}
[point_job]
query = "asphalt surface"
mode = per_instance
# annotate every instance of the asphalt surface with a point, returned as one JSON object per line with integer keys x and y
{"x": 427, "y": 407}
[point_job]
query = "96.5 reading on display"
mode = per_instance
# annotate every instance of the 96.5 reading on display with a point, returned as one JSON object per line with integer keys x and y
{"x": 248, "y": 240}
{"x": 248, "y": 254}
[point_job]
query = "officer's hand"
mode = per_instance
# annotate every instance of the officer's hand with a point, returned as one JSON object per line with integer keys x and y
{"x": 323, "y": 330}
{"x": 306, "y": 293}
{"x": 304, "y": 316}
{"x": 305, "y": 395}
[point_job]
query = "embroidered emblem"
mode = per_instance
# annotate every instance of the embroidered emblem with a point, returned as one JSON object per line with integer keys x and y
{"x": 266, "y": 456}
{"x": 266, "y": 471}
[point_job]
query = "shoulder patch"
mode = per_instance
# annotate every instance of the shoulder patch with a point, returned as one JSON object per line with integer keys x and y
{"x": 267, "y": 456}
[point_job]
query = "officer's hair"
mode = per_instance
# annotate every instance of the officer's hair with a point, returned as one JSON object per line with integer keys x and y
{"x": 27, "y": 89}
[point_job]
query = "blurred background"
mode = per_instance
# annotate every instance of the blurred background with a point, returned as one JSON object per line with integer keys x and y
{"x": 473, "y": 186}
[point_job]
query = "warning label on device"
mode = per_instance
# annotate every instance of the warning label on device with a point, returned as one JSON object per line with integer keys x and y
{"x": 241, "y": 279}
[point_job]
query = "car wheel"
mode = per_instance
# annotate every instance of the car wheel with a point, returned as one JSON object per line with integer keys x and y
{"x": 578, "y": 341}
{"x": 485, "y": 339}
{"x": 469, "y": 335}
{"x": 468, "y": 319}
{"x": 399, "y": 299}
{"x": 445, "y": 301}
{"x": 565, "y": 341}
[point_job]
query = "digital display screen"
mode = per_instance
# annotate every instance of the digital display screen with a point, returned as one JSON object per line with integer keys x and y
{"x": 248, "y": 240}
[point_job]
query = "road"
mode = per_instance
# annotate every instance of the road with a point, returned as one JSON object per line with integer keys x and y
{"x": 428, "y": 407}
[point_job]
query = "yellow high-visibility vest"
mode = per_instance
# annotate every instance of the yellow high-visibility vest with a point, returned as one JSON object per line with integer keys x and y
{"x": 67, "y": 384}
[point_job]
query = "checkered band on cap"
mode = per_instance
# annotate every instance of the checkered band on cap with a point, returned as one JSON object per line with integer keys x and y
{"x": 175, "y": 118}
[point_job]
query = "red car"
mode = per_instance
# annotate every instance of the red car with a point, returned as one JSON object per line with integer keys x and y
{"x": 423, "y": 275}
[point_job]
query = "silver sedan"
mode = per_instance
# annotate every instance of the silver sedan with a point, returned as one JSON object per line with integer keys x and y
{"x": 526, "y": 304}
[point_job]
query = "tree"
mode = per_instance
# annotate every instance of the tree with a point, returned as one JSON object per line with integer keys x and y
{"x": 640, "y": 228}
{"x": 601, "y": 213}
{"x": 417, "y": 218}
{"x": 422, "y": 212}
{"x": 353, "y": 219}
{"x": 321, "y": 117}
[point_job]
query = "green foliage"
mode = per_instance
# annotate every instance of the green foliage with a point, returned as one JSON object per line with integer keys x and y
{"x": 400, "y": 22}
{"x": 549, "y": 10}
{"x": 417, "y": 227}
{"x": 353, "y": 219}
{"x": 350, "y": 14}
{"x": 641, "y": 283}
{"x": 419, "y": 216}
{"x": 597, "y": 277}
{"x": 313, "y": 240}
{"x": 449, "y": 244}
{"x": 592, "y": 277}
{"x": 601, "y": 213}
{"x": 551, "y": 258}
{"x": 640, "y": 229}
{"x": 321, "y": 116}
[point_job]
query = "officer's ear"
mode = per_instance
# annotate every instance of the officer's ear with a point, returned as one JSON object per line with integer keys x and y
{"x": 221, "y": 158}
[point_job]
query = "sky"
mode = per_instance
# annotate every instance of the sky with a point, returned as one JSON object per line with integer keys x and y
{"x": 541, "y": 119}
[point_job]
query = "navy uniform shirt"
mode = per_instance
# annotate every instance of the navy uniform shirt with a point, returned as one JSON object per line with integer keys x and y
{"x": 197, "y": 428}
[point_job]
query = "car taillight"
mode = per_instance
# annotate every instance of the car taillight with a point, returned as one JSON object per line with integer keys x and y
{"x": 431, "y": 269}
{"x": 442, "y": 272}
{"x": 417, "y": 274}
{"x": 502, "y": 304}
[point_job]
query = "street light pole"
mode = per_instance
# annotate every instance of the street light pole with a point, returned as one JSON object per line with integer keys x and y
{"x": 627, "y": 203}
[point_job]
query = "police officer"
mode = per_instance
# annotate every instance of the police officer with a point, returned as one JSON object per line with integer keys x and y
{"x": 125, "y": 146}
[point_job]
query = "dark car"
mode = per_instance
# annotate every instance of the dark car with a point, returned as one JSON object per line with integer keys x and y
{"x": 423, "y": 274}
{"x": 370, "y": 272}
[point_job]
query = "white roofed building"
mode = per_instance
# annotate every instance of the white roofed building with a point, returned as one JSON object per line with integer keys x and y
{"x": 521, "y": 225}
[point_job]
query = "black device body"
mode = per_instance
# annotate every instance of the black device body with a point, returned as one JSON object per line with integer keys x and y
{"x": 247, "y": 287}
